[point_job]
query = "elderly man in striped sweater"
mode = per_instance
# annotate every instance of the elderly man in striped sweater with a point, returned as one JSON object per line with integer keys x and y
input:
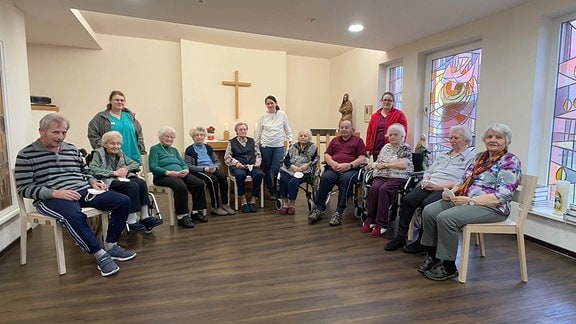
{"x": 51, "y": 172}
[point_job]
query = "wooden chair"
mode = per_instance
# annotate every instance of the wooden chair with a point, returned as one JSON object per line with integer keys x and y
{"x": 28, "y": 216}
{"x": 232, "y": 179}
{"x": 148, "y": 176}
{"x": 514, "y": 224}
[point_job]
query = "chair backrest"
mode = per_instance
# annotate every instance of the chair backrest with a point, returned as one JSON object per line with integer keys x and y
{"x": 522, "y": 200}
{"x": 418, "y": 160}
{"x": 322, "y": 142}
{"x": 148, "y": 176}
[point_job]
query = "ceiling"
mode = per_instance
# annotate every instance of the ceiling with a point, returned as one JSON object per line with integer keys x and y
{"x": 261, "y": 24}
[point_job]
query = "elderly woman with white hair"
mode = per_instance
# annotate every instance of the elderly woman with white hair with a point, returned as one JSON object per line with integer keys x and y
{"x": 390, "y": 172}
{"x": 204, "y": 163}
{"x": 118, "y": 172}
{"x": 170, "y": 170}
{"x": 296, "y": 167}
{"x": 482, "y": 195}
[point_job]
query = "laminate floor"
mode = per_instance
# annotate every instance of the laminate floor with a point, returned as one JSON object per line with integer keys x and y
{"x": 267, "y": 268}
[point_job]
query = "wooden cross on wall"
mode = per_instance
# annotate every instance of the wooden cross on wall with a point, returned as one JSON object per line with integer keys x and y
{"x": 236, "y": 84}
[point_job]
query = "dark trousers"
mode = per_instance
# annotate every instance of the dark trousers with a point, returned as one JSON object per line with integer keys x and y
{"x": 68, "y": 213}
{"x": 289, "y": 185}
{"x": 328, "y": 180}
{"x": 215, "y": 183}
{"x": 136, "y": 190}
{"x": 240, "y": 175}
{"x": 381, "y": 197}
{"x": 417, "y": 197}
{"x": 181, "y": 187}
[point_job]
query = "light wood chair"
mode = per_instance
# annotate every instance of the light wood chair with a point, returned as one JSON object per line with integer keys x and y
{"x": 27, "y": 215}
{"x": 232, "y": 179}
{"x": 514, "y": 224}
{"x": 149, "y": 177}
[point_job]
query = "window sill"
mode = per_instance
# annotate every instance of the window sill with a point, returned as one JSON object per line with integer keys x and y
{"x": 548, "y": 212}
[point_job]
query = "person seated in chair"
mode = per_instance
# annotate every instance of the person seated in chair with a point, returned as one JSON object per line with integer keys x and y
{"x": 482, "y": 195}
{"x": 170, "y": 170}
{"x": 243, "y": 158}
{"x": 51, "y": 172}
{"x": 204, "y": 163}
{"x": 118, "y": 172}
{"x": 343, "y": 156}
{"x": 390, "y": 172}
{"x": 296, "y": 168}
{"x": 447, "y": 168}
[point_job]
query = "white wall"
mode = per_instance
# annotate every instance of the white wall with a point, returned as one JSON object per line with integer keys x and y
{"x": 16, "y": 101}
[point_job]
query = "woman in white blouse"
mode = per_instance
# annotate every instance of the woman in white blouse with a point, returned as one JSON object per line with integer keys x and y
{"x": 273, "y": 129}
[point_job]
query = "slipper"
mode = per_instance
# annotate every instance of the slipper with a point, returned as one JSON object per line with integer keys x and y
{"x": 253, "y": 207}
{"x": 283, "y": 210}
{"x": 245, "y": 208}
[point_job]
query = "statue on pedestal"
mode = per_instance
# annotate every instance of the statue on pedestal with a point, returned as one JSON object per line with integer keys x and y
{"x": 345, "y": 109}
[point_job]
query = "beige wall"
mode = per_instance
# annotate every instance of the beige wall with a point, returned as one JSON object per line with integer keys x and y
{"x": 79, "y": 82}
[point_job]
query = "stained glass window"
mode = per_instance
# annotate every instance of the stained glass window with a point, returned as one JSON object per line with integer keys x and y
{"x": 395, "y": 84}
{"x": 454, "y": 87}
{"x": 563, "y": 146}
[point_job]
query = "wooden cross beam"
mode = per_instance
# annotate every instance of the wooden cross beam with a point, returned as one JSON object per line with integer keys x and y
{"x": 236, "y": 84}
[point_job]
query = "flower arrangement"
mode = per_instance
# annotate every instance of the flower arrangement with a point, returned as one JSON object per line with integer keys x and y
{"x": 210, "y": 129}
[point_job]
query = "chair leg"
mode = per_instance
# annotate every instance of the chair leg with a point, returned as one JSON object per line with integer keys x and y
{"x": 23, "y": 239}
{"x": 522, "y": 257}
{"x": 464, "y": 255}
{"x": 104, "y": 222}
{"x": 262, "y": 194}
{"x": 410, "y": 230}
{"x": 235, "y": 194}
{"x": 59, "y": 242}
{"x": 171, "y": 208}
{"x": 482, "y": 245}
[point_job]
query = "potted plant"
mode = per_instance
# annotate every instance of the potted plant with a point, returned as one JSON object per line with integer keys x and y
{"x": 210, "y": 130}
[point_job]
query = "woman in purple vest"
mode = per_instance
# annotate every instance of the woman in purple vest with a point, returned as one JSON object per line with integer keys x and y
{"x": 243, "y": 158}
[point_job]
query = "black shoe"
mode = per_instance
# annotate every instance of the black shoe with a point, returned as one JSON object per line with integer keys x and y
{"x": 414, "y": 247}
{"x": 245, "y": 208}
{"x": 151, "y": 222}
{"x": 199, "y": 217}
{"x": 428, "y": 264}
{"x": 395, "y": 244}
{"x": 253, "y": 207}
{"x": 186, "y": 222}
{"x": 439, "y": 273}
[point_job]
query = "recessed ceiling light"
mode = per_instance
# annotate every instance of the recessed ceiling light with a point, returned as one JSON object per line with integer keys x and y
{"x": 356, "y": 28}
{"x": 201, "y": 1}
{"x": 312, "y": 20}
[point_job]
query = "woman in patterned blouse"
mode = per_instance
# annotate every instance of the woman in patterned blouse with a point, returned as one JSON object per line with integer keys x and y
{"x": 482, "y": 195}
{"x": 390, "y": 172}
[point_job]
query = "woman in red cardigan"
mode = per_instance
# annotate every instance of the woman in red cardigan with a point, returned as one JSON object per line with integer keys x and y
{"x": 379, "y": 123}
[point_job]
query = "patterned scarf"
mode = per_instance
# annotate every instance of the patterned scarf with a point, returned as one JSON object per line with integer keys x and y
{"x": 482, "y": 163}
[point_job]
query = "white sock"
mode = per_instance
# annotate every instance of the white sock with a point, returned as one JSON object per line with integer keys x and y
{"x": 132, "y": 218}
{"x": 181, "y": 216}
{"x": 99, "y": 253}
{"x": 144, "y": 214}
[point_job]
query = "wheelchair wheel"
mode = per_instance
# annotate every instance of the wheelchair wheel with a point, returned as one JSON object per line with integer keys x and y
{"x": 359, "y": 212}
{"x": 279, "y": 203}
{"x": 310, "y": 203}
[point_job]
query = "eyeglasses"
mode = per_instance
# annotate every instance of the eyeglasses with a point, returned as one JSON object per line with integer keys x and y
{"x": 387, "y": 100}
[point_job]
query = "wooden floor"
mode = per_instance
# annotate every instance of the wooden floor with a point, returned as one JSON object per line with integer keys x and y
{"x": 267, "y": 268}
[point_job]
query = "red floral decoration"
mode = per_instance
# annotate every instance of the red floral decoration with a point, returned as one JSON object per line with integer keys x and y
{"x": 210, "y": 129}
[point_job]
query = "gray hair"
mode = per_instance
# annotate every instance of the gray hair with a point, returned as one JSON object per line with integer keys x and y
{"x": 108, "y": 136}
{"x": 307, "y": 132}
{"x": 468, "y": 135}
{"x": 397, "y": 127}
{"x": 500, "y": 129}
{"x": 197, "y": 129}
{"x": 238, "y": 124}
{"x": 166, "y": 129}
{"x": 47, "y": 120}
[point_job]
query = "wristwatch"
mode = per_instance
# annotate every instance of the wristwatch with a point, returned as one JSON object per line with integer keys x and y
{"x": 471, "y": 202}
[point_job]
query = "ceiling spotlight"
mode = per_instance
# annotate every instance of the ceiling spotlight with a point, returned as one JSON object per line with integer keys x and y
{"x": 201, "y": 1}
{"x": 312, "y": 20}
{"x": 356, "y": 28}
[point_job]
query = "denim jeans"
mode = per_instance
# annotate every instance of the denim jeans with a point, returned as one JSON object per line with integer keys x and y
{"x": 271, "y": 161}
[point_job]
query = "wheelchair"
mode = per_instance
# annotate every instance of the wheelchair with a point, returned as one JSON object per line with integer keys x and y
{"x": 309, "y": 186}
{"x": 365, "y": 182}
{"x": 153, "y": 209}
